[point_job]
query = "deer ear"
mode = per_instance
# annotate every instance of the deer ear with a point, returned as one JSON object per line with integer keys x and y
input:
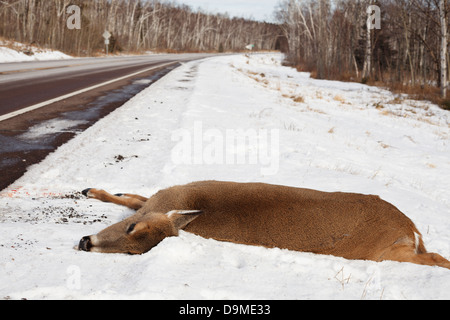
{"x": 135, "y": 227}
{"x": 181, "y": 218}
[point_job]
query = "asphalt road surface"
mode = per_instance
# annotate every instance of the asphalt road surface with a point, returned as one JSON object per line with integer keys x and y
{"x": 37, "y": 93}
{"x": 29, "y": 83}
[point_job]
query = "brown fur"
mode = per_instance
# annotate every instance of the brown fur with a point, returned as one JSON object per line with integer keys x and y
{"x": 353, "y": 226}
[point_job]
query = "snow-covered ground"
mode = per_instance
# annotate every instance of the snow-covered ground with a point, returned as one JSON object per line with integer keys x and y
{"x": 236, "y": 118}
{"x": 11, "y": 51}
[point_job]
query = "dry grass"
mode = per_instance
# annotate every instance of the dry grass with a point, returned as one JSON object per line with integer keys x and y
{"x": 258, "y": 77}
{"x": 339, "y": 99}
{"x": 378, "y": 106}
{"x": 319, "y": 94}
{"x": 383, "y": 145}
{"x": 15, "y": 46}
{"x": 296, "y": 98}
{"x": 414, "y": 92}
{"x": 341, "y": 278}
{"x": 397, "y": 100}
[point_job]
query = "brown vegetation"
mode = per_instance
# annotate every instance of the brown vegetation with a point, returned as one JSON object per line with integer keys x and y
{"x": 331, "y": 39}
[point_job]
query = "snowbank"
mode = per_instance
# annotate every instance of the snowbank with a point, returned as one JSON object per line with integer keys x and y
{"x": 15, "y": 52}
{"x": 324, "y": 135}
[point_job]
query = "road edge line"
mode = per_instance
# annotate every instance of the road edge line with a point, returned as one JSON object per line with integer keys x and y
{"x": 69, "y": 95}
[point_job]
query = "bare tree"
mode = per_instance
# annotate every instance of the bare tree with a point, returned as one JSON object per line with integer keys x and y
{"x": 443, "y": 51}
{"x": 368, "y": 48}
{"x": 135, "y": 24}
{"x": 334, "y": 39}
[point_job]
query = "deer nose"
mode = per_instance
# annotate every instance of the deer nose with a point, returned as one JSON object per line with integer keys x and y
{"x": 85, "y": 244}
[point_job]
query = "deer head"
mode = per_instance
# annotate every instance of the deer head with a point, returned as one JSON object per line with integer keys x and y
{"x": 138, "y": 233}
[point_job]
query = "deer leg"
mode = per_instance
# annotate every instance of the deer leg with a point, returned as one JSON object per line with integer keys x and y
{"x": 131, "y": 201}
{"x": 432, "y": 259}
{"x": 129, "y": 195}
{"x": 405, "y": 253}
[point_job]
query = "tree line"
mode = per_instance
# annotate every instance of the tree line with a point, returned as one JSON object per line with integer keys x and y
{"x": 334, "y": 40}
{"x": 135, "y": 25}
{"x": 330, "y": 38}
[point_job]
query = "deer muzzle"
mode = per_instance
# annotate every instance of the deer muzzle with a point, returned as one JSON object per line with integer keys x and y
{"x": 85, "y": 244}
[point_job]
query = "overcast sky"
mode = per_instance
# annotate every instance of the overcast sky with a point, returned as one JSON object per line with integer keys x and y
{"x": 261, "y": 10}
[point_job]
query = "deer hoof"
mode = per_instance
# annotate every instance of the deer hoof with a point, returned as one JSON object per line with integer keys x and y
{"x": 85, "y": 192}
{"x": 119, "y": 194}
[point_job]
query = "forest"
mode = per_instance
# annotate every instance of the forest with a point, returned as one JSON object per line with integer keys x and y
{"x": 403, "y": 45}
{"x": 135, "y": 25}
{"x": 338, "y": 40}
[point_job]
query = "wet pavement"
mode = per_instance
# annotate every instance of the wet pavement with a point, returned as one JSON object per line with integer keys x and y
{"x": 29, "y": 138}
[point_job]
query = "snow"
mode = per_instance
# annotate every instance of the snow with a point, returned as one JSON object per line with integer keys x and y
{"x": 14, "y": 52}
{"x": 325, "y": 135}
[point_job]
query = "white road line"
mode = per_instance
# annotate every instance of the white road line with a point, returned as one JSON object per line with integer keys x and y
{"x": 45, "y": 103}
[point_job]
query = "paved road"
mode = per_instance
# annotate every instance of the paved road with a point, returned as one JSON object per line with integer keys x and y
{"x": 24, "y": 86}
{"x": 30, "y": 83}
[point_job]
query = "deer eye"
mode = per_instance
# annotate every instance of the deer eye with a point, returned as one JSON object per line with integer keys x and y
{"x": 131, "y": 228}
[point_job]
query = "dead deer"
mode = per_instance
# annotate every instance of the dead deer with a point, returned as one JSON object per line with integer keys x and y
{"x": 348, "y": 225}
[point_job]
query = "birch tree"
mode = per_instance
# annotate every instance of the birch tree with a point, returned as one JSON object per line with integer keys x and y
{"x": 135, "y": 24}
{"x": 443, "y": 51}
{"x": 368, "y": 47}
